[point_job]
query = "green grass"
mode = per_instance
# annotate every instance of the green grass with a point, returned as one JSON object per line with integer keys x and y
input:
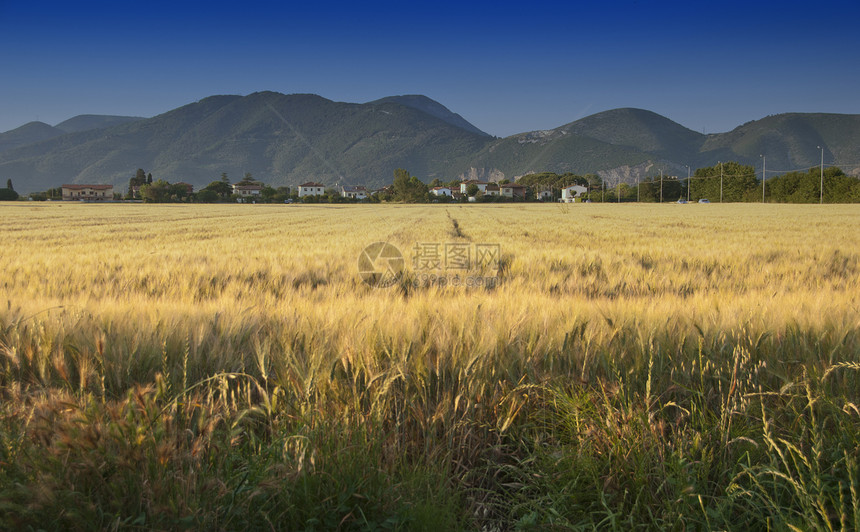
{"x": 643, "y": 433}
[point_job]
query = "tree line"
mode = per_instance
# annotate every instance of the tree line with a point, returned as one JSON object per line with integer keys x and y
{"x": 735, "y": 182}
{"x": 727, "y": 182}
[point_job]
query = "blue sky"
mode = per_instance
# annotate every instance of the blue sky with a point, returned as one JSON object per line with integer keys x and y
{"x": 506, "y": 67}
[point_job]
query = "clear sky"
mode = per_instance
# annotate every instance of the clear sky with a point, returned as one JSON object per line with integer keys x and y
{"x": 507, "y": 67}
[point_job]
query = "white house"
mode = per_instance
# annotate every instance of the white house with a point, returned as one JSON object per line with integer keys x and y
{"x": 544, "y": 195}
{"x": 569, "y": 194}
{"x": 441, "y": 191}
{"x": 482, "y": 185}
{"x": 247, "y": 190}
{"x": 353, "y": 192}
{"x": 311, "y": 189}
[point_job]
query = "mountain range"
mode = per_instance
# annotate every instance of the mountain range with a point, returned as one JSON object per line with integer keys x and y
{"x": 289, "y": 139}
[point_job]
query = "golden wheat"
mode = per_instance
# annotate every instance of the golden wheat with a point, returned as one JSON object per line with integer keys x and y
{"x": 656, "y": 340}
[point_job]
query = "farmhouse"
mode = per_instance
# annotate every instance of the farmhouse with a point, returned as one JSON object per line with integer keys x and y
{"x": 513, "y": 190}
{"x": 311, "y": 189}
{"x": 544, "y": 195}
{"x": 247, "y": 190}
{"x": 482, "y": 185}
{"x": 569, "y": 194}
{"x": 353, "y": 192}
{"x": 441, "y": 191}
{"x": 88, "y": 192}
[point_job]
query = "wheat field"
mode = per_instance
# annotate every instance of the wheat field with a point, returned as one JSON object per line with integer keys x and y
{"x": 629, "y": 366}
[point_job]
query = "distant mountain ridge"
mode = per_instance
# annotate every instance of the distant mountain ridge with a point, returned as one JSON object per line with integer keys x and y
{"x": 34, "y": 132}
{"x": 288, "y": 139}
{"x": 88, "y": 122}
{"x": 433, "y": 108}
{"x": 29, "y": 133}
{"x": 626, "y": 144}
{"x": 280, "y": 139}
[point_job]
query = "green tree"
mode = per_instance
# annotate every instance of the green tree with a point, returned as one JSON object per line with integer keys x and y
{"x": 401, "y": 175}
{"x": 737, "y": 180}
{"x": 565, "y": 180}
{"x": 805, "y": 187}
{"x": 332, "y": 195}
{"x": 139, "y": 179}
{"x": 550, "y": 180}
{"x": 7, "y": 194}
{"x": 650, "y": 189}
{"x": 408, "y": 189}
{"x": 595, "y": 186}
{"x": 281, "y": 194}
{"x": 9, "y": 184}
{"x": 222, "y": 188}
{"x": 177, "y": 192}
{"x": 158, "y": 192}
{"x": 207, "y": 196}
{"x": 472, "y": 190}
{"x": 268, "y": 193}
{"x": 854, "y": 192}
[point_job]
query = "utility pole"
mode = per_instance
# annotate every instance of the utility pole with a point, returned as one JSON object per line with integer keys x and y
{"x": 763, "y": 175}
{"x": 688, "y": 181}
{"x": 637, "y": 188}
{"x": 618, "y": 190}
{"x": 721, "y": 181}
{"x": 661, "y": 186}
{"x": 821, "y": 200}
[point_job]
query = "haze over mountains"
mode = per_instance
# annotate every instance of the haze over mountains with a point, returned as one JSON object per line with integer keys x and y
{"x": 289, "y": 139}
{"x": 33, "y": 132}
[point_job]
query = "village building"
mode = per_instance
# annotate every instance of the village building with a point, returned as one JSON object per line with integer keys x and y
{"x": 482, "y": 185}
{"x": 357, "y": 192}
{"x": 441, "y": 191}
{"x": 572, "y": 193}
{"x": 544, "y": 194}
{"x": 246, "y": 190}
{"x": 88, "y": 192}
{"x": 513, "y": 191}
{"x": 311, "y": 188}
